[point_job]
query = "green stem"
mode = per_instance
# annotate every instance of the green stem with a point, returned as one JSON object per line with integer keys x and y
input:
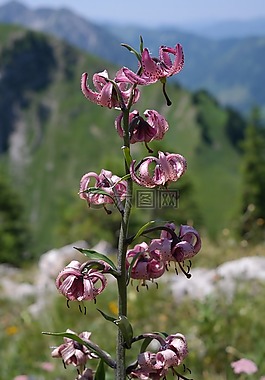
{"x": 121, "y": 262}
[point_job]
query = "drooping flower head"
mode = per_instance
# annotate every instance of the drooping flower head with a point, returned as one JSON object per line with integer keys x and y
{"x": 173, "y": 352}
{"x": 155, "y": 366}
{"x": 176, "y": 247}
{"x": 72, "y": 352}
{"x": 140, "y": 130}
{"x": 154, "y": 69}
{"x": 189, "y": 244}
{"x": 106, "y": 181}
{"x": 78, "y": 283}
{"x": 169, "y": 167}
{"x": 108, "y": 93}
{"x": 145, "y": 267}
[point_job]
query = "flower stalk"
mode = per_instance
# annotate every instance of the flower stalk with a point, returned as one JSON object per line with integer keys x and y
{"x": 143, "y": 262}
{"x": 121, "y": 260}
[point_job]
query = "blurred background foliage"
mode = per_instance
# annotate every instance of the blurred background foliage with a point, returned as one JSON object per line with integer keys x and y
{"x": 219, "y": 330}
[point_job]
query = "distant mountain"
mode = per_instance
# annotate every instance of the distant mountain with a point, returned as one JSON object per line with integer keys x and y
{"x": 51, "y": 135}
{"x": 66, "y": 25}
{"x": 229, "y": 29}
{"x": 231, "y": 69}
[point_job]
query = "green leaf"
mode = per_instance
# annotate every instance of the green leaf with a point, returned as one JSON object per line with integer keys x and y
{"x": 132, "y": 50}
{"x": 145, "y": 344}
{"x": 141, "y": 44}
{"x": 100, "y": 372}
{"x": 106, "y": 316}
{"x": 123, "y": 324}
{"x": 124, "y": 178}
{"x": 126, "y": 329}
{"x": 131, "y": 266}
{"x": 143, "y": 228}
{"x": 90, "y": 253}
{"x": 149, "y": 339}
{"x": 96, "y": 190}
{"x": 73, "y": 337}
{"x": 127, "y": 155}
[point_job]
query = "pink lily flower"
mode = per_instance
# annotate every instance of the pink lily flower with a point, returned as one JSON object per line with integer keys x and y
{"x": 244, "y": 366}
{"x": 72, "y": 352}
{"x": 154, "y": 69}
{"x": 148, "y": 368}
{"x": 145, "y": 267}
{"x": 189, "y": 245}
{"x": 185, "y": 245}
{"x": 106, "y": 93}
{"x": 169, "y": 167}
{"x": 155, "y": 366}
{"x": 174, "y": 351}
{"x": 165, "y": 234}
{"x": 153, "y": 128}
{"x": 105, "y": 181}
{"x": 77, "y": 283}
{"x": 161, "y": 248}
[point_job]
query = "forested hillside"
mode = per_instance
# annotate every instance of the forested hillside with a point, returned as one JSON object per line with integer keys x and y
{"x": 51, "y": 135}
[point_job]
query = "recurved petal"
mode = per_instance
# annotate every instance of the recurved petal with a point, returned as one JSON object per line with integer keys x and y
{"x": 155, "y": 269}
{"x": 130, "y": 77}
{"x": 151, "y": 69}
{"x": 89, "y": 94}
{"x": 118, "y": 125}
{"x": 100, "y": 79}
{"x": 178, "y": 343}
{"x": 160, "y": 248}
{"x": 178, "y": 164}
{"x": 105, "y": 96}
{"x": 191, "y": 235}
{"x": 167, "y": 358}
{"x": 142, "y": 178}
{"x": 84, "y": 183}
{"x": 158, "y": 121}
{"x": 178, "y": 63}
{"x": 182, "y": 251}
{"x": 67, "y": 352}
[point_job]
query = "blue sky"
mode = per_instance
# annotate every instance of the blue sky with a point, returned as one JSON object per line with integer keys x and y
{"x": 153, "y": 13}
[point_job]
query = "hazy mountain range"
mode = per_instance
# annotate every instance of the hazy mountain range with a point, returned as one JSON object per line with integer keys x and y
{"x": 229, "y": 29}
{"x": 232, "y": 69}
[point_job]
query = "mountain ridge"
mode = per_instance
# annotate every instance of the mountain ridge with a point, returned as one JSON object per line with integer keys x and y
{"x": 214, "y": 65}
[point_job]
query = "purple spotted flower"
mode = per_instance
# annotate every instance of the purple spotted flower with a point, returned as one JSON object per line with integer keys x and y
{"x": 155, "y": 366}
{"x": 140, "y": 130}
{"x": 144, "y": 267}
{"x": 154, "y": 69}
{"x": 78, "y": 283}
{"x": 189, "y": 244}
{"x": 169, "y": 167}
{"x": 176, "y": 247}
{"x": 72, "y": 352}
{"x": 106, "y": 181}
{"x": 173, "y": 352}
{"x": 106, "y": 91}
{"x": 244, "y": 366}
